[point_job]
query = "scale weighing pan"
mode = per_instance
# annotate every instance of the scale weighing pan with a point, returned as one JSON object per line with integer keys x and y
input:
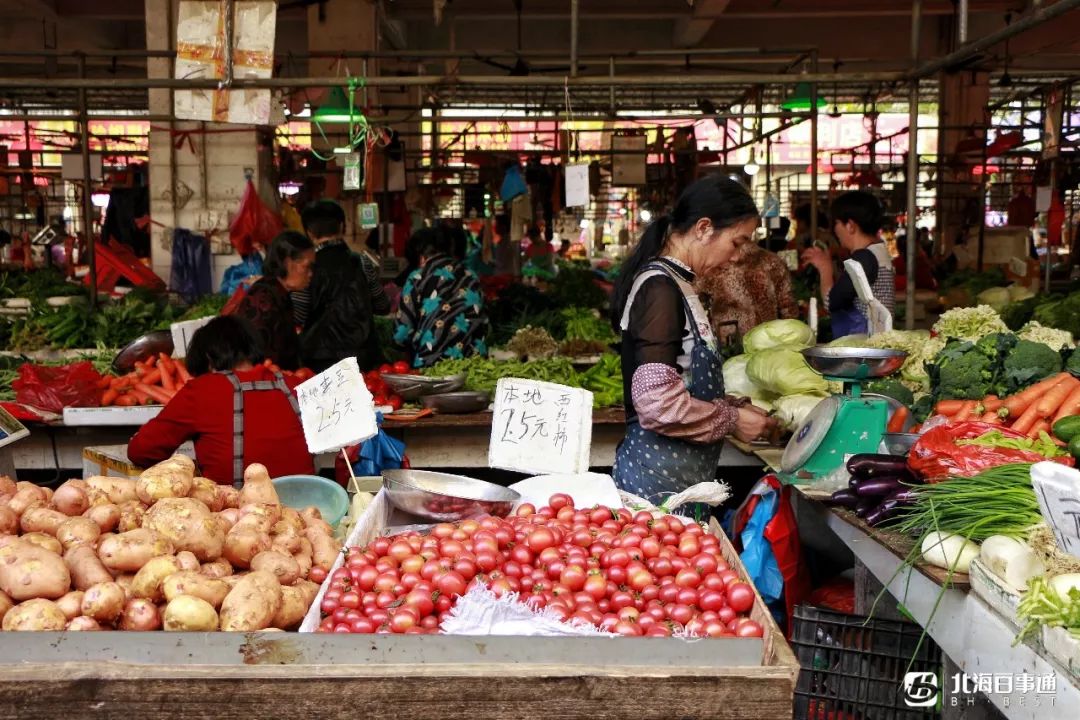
{"x": 844, "y": 363}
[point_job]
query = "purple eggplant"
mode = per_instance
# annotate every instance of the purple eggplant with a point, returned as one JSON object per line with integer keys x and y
{"x": 889, "y": 507}
{"x": 865, "y": 506}
{"x": 872, "y": 465}
{"x": 878, "y": 487}
{"x": 843, "y": 498}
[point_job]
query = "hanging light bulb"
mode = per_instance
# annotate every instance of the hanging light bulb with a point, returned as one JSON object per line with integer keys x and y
{"x": 751, "y": 168}
{"x": 645, "y": 216}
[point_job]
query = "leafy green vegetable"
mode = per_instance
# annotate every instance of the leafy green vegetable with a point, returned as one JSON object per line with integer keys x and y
{"x": 784, "y": 372}
{"x": 1042, "y": 605}
{"x": 778, "y": 333}
{"x": 961, "y": 371}
{"x": 1043, "y": 445}
{"x": 891, "y": 387}
{"x": 1017, "y": 314}
{"x": 1027, "y": 363}
{"x": 1063, "y": 314}
{"x": 969, "y": 323}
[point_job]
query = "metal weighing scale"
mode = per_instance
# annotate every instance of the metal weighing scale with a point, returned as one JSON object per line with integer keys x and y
{"x": 841, "y": 425}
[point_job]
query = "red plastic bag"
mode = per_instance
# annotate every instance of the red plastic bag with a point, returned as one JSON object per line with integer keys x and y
{"x": 55, "y": 388}
{"x": 837, "y": 594}
{"x": 936, "y": 456}
{"x": 255, "y": 224}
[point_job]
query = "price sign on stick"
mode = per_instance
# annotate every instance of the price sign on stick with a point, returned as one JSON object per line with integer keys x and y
{"x": 336, "y": 408}
{"x": 540, "y": 427}
{"x": 1057, "y": 489}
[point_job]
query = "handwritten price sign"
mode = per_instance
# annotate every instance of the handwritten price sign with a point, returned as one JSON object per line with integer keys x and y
{"x": 540, "y": 427}
{"x": 336, "y": 408}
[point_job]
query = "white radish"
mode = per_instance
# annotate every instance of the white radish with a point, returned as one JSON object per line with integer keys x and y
{"x": 951, "y": 552}
{"x": 1062, "y": 584}
{"x": 1011, "y": 560}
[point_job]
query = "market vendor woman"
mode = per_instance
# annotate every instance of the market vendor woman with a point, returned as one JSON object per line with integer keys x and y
{"x": 676, "y": 412}
{"x": 235, "y": 410}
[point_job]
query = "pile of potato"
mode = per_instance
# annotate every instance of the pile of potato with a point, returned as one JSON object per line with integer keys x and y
{"x": 168, "y": 550}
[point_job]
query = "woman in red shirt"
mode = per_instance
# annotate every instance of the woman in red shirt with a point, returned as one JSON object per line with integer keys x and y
{"x": 228, "y": 384}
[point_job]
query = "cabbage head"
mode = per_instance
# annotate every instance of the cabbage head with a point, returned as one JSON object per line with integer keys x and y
{"x": 995, "y": 297}
{"x": 784, "y": 371}
{"x": 739, "y": 384}
{"x": 778, "y": 333}
{"x": 791, "y": 410}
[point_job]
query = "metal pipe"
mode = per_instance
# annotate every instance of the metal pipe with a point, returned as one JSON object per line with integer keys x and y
{"x": 916, "y": 29}
{"x": 611, "y": 90}
{"x": 971, "y": 49}
{"x": 813, "y": 150}
{"x": 88, "y": 205}
{"x": 912, "y": 201}
{"x": 646, "y": 81}
{"x": 573, "y": 38}
{"x": 962, "y": 22}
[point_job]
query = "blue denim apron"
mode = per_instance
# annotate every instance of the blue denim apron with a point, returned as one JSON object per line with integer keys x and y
{"x": 648, "y": 464}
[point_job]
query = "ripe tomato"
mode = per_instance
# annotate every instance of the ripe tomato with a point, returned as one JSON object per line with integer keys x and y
{"x": 749, "y": 629}
{"x": 386, "y": 368}
{"x": 687, "y": 578}
{"x": 317, "y": 574}
{"x": 401, "y": 367}
{"x": 558, "y": 501}
{"x": 740, "y": 597}
{"x": 711, "y": 600}
{"x": 540, "y": 539}
{"x": 395, "y": 402}
{"x": 451, "y": 584}
{"x": 573, "y": 577}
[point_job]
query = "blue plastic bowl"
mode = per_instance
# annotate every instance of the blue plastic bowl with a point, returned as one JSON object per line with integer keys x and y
{"x": 301, "y": 491}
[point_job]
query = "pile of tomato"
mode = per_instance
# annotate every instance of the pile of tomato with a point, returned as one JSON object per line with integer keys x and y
{"x": 384, "y": 395}
{"x": 629, "y": 573}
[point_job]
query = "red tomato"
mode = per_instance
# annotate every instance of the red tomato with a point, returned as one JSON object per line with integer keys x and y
{"x": 401, "y": 367}
{"x": 395, "y": 402}
{"x": 386, "y": 368}
{"x": 749, "y": 629}
{"x": 560, "y": 500}
{"x": 740, "y": 597}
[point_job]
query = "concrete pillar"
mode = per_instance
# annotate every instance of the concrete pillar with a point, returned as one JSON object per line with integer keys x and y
{"x": 197, "y": 185}
{"x": 963, "y": 120}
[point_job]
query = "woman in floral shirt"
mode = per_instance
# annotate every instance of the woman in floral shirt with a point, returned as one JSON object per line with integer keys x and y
{"x": 441, "y": 315}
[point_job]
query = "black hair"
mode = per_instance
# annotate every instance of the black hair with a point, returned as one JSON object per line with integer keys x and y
{"x": 222, "y": 344}
{"x": 372, "y": 241}
{"x": 323, "y": 219}
{"x": 288, "y": 245}
{"x": 725, "y": 202}
{"x": 426, "y": 242}
{"x": 860, "y": 207}
{"x": 802, "y": 214}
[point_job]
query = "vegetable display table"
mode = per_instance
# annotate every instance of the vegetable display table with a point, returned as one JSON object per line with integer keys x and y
{"x": 968, "y": 630}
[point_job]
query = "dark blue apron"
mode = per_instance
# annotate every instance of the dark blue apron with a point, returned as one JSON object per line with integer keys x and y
{"x": 848, "y": 321}
{"x": 651, "y": 465}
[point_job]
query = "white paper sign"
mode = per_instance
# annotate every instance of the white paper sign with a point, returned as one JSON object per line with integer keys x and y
{"x": 1057, "y": 488}
{"x": 182, "y": 333}
{"x": 540, "y": 427}
{"x": 577, "y": 185}
{"x": 1044, "y": 195}
{"x": 336, "y": 408}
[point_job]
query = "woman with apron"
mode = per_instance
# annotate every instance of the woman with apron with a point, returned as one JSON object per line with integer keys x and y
{"x": 235, "y": 410}
{"x": 676, "y": 412}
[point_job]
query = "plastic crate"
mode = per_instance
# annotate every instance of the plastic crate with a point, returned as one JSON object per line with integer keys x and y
{"x": 853, "y": 667}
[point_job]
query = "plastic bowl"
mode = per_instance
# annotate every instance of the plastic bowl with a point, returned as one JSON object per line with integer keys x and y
{"x": 301, "y": 491}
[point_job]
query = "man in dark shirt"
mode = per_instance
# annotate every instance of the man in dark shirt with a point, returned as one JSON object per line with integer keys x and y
{"x": 340, "y": 319}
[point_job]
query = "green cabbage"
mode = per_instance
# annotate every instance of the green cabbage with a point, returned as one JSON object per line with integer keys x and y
{"x": 739, "y": 384}
{"x": 995, "y": 297}
{"x": 1018, "y": 293}
{"x": 778, "y": 333}
{"x": 791, "y": 410}
{"x": 784, "y": 371}
{"x": 853, "y": 341}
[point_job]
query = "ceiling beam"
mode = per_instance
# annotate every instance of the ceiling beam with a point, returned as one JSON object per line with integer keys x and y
{"x": 689, "y": 32}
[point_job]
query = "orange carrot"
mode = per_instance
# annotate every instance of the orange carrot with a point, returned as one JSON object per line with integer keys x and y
{"x": 1027, "y": 419}
{"x": 1071, "y": 406}
{"x": 158, "y": 394}
{"x": 126, "y": 400}
{"x": 991, "y": 403}
{"x": 1041, "y": 426}
{"x": 949, "y": 407}
{"x": 153, "y": 377}
{"x": 151, "y": 361}
{"x": 965, "y": 411}
{"x": 1018, "y": 403}
{"x": 182, "y": 371}
{"x": 167, "y": 363}
{"x": 167, "y": 381}
{"x": 896, "y": 422}
{"x": 109, "y": 397}
{"x": 104, "y": 382}
{"x": 1050, "y": 402}
{"x": 139, "y": 395}
{"x": 991, "y": 418}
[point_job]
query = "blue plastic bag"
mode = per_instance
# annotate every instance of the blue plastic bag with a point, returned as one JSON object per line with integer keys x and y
{"x": 235, "y": 275}
{"x": 757, "y": 554}
{"x": 381, "y": 452}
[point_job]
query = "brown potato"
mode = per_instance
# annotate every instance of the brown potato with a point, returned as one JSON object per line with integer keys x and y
{"x": 35, "y": 614}
{"x": 7, "y": 486}
{"x": 82, "y": 624}
{"x": 280, "y": 565}
{"x": 205, "y": 491}
{"x": 129, "y": 551}
{"x": 106, "y": 516}
{"x": 324, "y": 549}
{"x": 78, "y": 531}
{"x": 287, "y": 542}
{"x": 46, "y": 542}
{"x": 6, "y": 604}
{"x": 86, "y": 567}
{"x": 320, "y": 526}
{"x": 294, "y": 606}
{"x": 28, "y": 571}
{"x": 189, "y": 525}
{"x": 147, "y": 582}
{"x": 258, "y": 522}
{"x": 252, "y": 603}
{"x": 230, "y": 496}
{"x": 303, "y": 557}
{"x": 71, "y": 499}
{"x": 186, "y": 613}
{"x": 310, "y": 514}
{"x": 104, "y": 602}
{"x": 125, "y": 580}
{"x": 187, "y": 561}
{"x": 242, "y": 545}
{"x": 140, "y": 614}
{"x": 48, "y": 494}
{"x": 131, "y": 516}
{"x": 9, "y": 521}
{"x": 39, "y": 518}
{"x": 220, "y": 568}
{"x": 26, "y": 497}
{"x": 171, "y": 478}
{"x": 292, "y": 518}
{"x": 71, "y": 604}
{"x": 209, "y": 589}
{"x": 257, "y": 487}
{"x": 228, "y": 518}
{"x": 111, "y": 490}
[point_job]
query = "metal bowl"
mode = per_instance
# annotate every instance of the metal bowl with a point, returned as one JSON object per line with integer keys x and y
{"x": 899, "y": 443}
{"x": 446, "y": 498}
{"x": 414, "y": 387}
{"x": 457, "y": 402}
{"x": 149, "y": 344}
{"x": 853, "y": 363}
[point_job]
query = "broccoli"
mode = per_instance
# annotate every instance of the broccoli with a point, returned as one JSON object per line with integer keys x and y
{"x": 922, "y": 407}
{"x": 891, "y": 387}
{"x": 962, "y": 371}
{"x": 1027, "y": 363}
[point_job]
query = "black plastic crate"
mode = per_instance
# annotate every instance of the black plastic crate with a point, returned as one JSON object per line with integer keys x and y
{"x": 853, "y": 667}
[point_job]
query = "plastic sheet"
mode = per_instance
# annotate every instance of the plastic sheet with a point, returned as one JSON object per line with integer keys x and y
{"x": 255, "y": 224}
{"x": 55, "y": 388}
{"x": 937, "y": 456}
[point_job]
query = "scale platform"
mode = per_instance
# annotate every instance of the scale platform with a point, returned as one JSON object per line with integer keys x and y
{"x": 845, "y": 424}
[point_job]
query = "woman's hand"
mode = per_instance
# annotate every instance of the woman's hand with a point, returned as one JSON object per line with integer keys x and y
{"x": 819, "y": 258}
{"x": 753, "y": 424}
